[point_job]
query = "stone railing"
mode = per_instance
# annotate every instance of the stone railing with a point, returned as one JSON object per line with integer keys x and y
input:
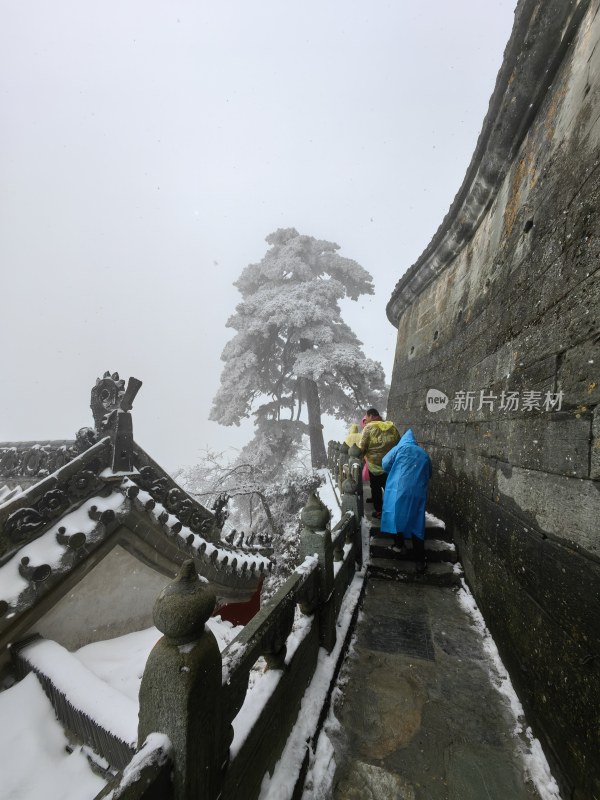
{"x": 344, "y": 462}
{"x": 224, "y": 737}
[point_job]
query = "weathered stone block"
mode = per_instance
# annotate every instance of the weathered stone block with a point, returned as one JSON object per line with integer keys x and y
{"x": 450, "y": 435}
{"x": 566, "y": 508}
{"x": 579, "y": 372}
{"x": 552, "y": 442}
{"x": 569, "y": 589}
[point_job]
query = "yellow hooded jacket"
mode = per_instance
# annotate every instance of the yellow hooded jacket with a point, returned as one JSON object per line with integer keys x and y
{"x": 354, "y": 436}
{"x": 377, "y": 439}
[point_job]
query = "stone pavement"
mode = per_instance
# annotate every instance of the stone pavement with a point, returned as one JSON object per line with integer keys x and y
{"x": 420, "y": 719}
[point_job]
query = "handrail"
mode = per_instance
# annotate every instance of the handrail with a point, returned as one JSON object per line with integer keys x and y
{"x": 224, "y": 741}
{"x": 147, "y": 776}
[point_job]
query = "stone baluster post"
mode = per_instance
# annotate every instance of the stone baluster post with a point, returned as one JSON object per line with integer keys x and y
{"x": 315, "y": 539}
{"x": 335, "y": 452}
{"x": 180, "y": 694}
{"x": 355, "y": 465}
{"x": 351, "y": 501}
{"x": 342, "y": 464}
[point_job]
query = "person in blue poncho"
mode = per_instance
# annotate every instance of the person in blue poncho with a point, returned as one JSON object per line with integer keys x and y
{"x": 408, "y": 470}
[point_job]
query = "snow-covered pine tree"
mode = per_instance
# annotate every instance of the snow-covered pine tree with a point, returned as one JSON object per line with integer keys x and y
{"x": 292, "y": 349}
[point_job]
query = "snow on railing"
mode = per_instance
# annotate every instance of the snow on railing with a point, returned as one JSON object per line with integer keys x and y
{"x": 228, "y": 716}
{"x": 86, "y": 705}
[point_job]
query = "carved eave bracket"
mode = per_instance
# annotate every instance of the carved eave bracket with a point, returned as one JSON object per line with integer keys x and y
{"x": 164, "y": 490}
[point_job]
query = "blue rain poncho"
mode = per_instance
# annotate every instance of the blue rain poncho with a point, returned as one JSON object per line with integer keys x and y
{"x": 408, "y": 469}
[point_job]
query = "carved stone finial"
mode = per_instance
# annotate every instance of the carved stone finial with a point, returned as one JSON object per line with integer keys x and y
{"x": 354, "y": 451}
{"x": 184, "y": 605}
{"x": 315, "y": 514}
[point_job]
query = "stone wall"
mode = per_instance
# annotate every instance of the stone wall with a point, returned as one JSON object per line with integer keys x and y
{"x": 114, "y": 598}
{"x": 506, "y": 299}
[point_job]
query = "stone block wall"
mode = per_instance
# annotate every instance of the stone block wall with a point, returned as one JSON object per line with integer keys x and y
{"x": 507, "y": 300}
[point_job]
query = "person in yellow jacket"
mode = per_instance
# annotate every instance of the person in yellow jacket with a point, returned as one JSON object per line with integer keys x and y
{"x": 354, "y": 436}
{"x": 378, "y": 438}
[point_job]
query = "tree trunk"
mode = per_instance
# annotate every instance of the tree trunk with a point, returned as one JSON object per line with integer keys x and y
{"x": 318, "y": 453}
{"x": 267, "y": 510}
{"x": 310, "y": 394}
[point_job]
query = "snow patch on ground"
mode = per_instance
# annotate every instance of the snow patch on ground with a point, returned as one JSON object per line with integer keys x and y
{"x": 35, "y": 759}
{"x": 322, "y": 766}
{"x": 535, "y": 761}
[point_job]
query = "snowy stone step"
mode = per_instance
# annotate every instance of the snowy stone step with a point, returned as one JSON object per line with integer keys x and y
{"x": 436, "y": 574}
{"x": 436, "y": 549}
{"x": 438, "y": 532}
{"x": 432, "y": 533}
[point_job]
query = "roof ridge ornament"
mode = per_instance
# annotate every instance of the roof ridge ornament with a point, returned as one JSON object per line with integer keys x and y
{"x": 120, "y": 425}
{"x": 111, "y": 403}
{"x": 106, "y": 397}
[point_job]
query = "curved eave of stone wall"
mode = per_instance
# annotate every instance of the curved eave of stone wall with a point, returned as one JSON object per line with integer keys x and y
{"x": 541, "y": 35}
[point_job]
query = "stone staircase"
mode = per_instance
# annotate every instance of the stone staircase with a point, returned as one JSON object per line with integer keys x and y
{"x": 389, "y": 562}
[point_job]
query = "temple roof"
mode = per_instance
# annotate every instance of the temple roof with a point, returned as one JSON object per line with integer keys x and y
{"x": 69, "y": 518}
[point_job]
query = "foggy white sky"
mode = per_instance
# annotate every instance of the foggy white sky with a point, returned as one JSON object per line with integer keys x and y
{"x": 147, "y": 148}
